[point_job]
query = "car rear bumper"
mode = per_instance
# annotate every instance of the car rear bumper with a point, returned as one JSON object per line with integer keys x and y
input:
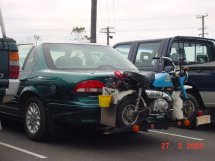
{"x": 11, "y": 90}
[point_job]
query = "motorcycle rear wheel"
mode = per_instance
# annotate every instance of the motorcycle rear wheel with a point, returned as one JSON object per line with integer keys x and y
{"x": 125, "y": 115}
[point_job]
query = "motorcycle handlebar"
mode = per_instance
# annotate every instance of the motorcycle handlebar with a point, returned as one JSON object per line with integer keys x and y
{"x": 156, "y": 57}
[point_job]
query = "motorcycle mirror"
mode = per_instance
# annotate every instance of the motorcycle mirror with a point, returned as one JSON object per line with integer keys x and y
{"x": 167, "y": 68}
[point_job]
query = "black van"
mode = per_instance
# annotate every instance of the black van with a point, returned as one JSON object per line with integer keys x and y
{"x": 199, "y": 54}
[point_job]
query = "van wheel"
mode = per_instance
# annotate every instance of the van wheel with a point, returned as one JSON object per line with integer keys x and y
{"x": 190, "y": 109}
{"x": 125, "y": 115}
{"x": 35, "y": 119}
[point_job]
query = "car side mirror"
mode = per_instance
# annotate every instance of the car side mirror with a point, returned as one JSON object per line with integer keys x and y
{"x": 168, "y": 68}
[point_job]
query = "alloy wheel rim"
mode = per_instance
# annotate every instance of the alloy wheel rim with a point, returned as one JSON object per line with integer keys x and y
{"x": 33, "y": 119}
{"x": 128, "y": 116}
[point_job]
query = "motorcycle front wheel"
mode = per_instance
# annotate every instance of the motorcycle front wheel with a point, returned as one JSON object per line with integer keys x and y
{"x": 125, "y": 115}
{"x": 190, "y": 109}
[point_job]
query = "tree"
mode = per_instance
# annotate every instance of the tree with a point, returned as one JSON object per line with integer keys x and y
{"x": 36, "y": 38}
{"x": 79, "y": 34}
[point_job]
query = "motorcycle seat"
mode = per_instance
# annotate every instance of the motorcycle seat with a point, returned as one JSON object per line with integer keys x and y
{"x": 144, "y": 78}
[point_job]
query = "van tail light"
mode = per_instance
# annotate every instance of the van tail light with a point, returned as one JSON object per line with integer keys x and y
{"x": 13, "y": 65}
{"x": 199, "y": 113}
{"x": 89, "y": 86}
{"x": 186, "y": 68}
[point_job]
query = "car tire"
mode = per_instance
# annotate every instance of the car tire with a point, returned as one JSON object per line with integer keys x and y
{"x": 124, "y": 115}
{"x": 190, "y": 109}
{"x": 35, "y": 121}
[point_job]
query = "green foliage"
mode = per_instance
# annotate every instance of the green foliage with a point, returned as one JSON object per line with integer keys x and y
{"x": 36, "y": 38}
{"x": 79, "y": 34}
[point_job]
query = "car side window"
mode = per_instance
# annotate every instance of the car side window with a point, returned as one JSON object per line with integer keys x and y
{"x": 193, "y": 52}
{"x": 145, "y": 54}
{"x": 124, "y": 49}
{"x": 30, "y": 60}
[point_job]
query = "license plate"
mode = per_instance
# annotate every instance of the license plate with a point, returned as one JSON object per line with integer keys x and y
{"x": 201, "y": 120}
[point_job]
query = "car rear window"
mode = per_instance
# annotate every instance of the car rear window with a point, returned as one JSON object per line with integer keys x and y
{"x": 84, "y": 56}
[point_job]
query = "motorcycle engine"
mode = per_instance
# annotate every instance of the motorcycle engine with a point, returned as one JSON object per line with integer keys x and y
{"x": 159, "y": 106}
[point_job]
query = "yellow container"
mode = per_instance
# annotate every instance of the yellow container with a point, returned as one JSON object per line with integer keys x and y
{"x": 104, "y": 101}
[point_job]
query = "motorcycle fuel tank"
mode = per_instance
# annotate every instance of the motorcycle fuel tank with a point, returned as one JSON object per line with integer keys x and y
{"x": 162, "y": 80}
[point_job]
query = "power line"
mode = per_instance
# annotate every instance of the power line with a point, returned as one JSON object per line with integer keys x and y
{"x": 107, "y": 10}
{"x": 100, "y": 13}
{"x": 14, "y": 18}
{"x": 203, "y": 24}
{"x": 154, "y": 29}
{"x": 108, "y": 32}
{"x": 114, "y": 19}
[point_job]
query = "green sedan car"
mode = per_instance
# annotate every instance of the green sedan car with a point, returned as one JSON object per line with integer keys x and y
{"x": 59, "y": 84}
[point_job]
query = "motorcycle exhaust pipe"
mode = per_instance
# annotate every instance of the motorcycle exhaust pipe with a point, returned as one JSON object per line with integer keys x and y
{"x": 157, "y": 94}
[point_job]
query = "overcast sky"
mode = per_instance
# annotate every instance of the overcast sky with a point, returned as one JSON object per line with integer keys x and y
{"x": 132, "y": 19}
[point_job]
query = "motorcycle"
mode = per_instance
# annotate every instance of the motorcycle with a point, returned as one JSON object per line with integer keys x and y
{"x": 149, "y": 97}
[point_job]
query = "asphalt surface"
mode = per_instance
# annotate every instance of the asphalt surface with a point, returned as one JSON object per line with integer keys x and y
{"x": 83, "y": 145}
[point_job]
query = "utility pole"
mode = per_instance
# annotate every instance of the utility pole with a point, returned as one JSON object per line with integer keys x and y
{"x": 4, "y": 36}
{"x": 2, "y": 25}
{"x": 203, "y": 24}
{"x": 93, "y": 21}
{"x": 108, "y": 32}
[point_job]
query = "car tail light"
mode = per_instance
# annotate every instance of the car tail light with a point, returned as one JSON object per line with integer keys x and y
{"x": 152, "y": 126}
{"x": 89, "y": 86}
{"x": 13, "y": 65}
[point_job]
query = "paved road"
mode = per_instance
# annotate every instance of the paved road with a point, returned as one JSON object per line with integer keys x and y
{"x": 156, "y": 145}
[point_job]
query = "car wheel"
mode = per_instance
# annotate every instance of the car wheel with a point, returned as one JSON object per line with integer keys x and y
{"x": 35, "y": 119}
{"x": 190, "y": 109}
{"x": 125, "y": 115}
